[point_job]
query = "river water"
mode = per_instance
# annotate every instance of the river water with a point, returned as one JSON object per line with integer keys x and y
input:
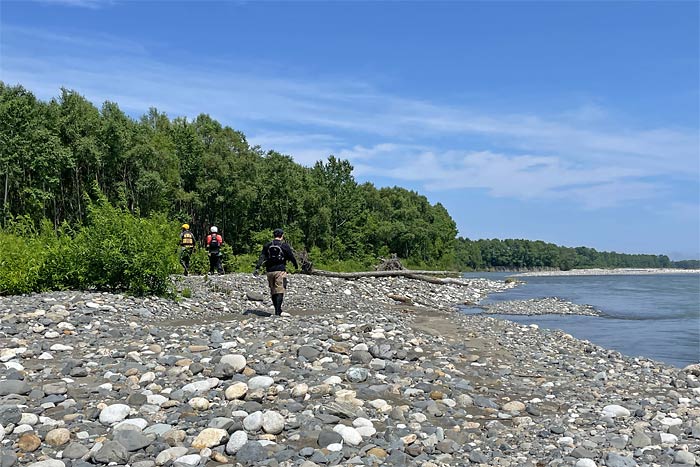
{"x": 655, "y": 316}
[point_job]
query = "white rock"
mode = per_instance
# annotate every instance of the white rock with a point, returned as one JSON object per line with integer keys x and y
{"x": 273, "y": 422}
{"x": 350, "y": 435}
{"x": 29, "y": 419}
{"x": 170, "y": 454}
{"x": 60, "y": 347}
{"x": 237, "y": 440}
{"x": 585, "y": 463}
{"x": 366, "y": 431}
{"x": 191, "y": 459}
{"x": 669, "y": 439}
{"x": 236, "y": 390}
{"x": 7, "y": 354}
{"x": 14, "y": 365}
{"x": 335, "y": 447}
{"x": 114, "y": 413}
{"x": 199, "y": 403}
{"x": 260, "y": 382}
{"x": 668, "y": 421}
{"x": 137, "y": 424}
{"x": 147, "y": 377}
{"x": 2, "y": 432}
{"x": 45, "y": 356}
{"x": 300, "y": 390}
{"x": 51, "y": 335}
{"x": 615, "y": 411}
{"x": 201, "y": 386}
{"x": 333, "y": 380}
{"x": 237, "y": 362}
{"x": 253, "y": 422}
{"x": 156, "y": 399}
{"x": 361, "y": 421}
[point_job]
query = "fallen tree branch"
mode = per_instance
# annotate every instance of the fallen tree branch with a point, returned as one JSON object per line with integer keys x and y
{"x": 409, "y": 274}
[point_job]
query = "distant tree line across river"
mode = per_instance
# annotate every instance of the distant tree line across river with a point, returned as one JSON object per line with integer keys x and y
{"x": 58, "y": 158}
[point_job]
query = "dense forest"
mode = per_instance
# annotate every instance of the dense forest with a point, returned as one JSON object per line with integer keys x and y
{"x": 59, "y": 158}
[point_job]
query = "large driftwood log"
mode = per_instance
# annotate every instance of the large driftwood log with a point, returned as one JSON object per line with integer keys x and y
{"x": 407, "y": 273}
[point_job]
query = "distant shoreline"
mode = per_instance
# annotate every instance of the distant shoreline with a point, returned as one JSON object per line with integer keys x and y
{"x": 608, "y": 272}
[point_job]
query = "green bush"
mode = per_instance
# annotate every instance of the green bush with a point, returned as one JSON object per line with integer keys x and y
{"x": 114, "y": 251}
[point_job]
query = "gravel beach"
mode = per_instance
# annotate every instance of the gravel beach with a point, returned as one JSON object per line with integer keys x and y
{"x": 376, "y": 371}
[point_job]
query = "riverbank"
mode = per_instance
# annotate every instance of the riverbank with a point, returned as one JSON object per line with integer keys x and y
{"x": 605, "y": 272}
{"x": 365, "y": 372}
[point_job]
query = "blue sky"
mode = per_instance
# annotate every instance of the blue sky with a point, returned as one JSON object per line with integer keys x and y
{"x": 573, "y": 123}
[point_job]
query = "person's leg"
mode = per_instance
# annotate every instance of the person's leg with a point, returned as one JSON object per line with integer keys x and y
{"x": 212, "y": 264}
{"x": 280, "y": 299}
{"x": 219, "y": 264}
{"x": 186, "y": 253}
{"x": 277, "y": 303}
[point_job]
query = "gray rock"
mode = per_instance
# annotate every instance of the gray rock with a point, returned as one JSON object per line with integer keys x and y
{"x": 132, "y": 440}
{"x": 75, "y": 451}
{"x": 616, "y": 460}
{"x": 251, "y": 453}
{"x": 111, "y": 451}
{"x": 10, "y": 414}
{"x": 8, "y": 387}
{"x": 328, "y": 437}
{"x": 356, "y": 374}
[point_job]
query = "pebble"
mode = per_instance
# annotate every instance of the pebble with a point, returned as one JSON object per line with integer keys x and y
{"x": 356, "y": 378}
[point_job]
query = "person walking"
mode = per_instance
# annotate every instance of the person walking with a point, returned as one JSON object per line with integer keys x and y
{"x": 274, "y": 256}
{"x": 187, "y": 245}
{"x": 214, "y": 242}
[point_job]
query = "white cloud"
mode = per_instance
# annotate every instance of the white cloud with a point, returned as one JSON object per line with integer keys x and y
{"x": 91, "y": 4}
{"x": 579, "y": 155}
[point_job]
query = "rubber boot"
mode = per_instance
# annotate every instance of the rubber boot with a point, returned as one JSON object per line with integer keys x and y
{"x": 280, "y": 299}
{"x": 277, "y": 301}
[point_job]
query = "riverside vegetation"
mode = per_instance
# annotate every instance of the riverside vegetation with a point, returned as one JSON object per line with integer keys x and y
{"x": 69, "y": 169}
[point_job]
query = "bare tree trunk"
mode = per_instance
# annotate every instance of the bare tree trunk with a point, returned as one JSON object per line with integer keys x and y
{"x": 4, "y": 201}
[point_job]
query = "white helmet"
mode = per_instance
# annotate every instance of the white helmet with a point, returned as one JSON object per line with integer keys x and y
{"x": 214, "y": 229}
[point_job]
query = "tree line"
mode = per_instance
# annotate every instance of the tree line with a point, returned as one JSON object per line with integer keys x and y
{"x": 58, "y": 157}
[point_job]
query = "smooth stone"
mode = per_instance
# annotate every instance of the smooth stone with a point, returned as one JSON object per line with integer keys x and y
{"x": 251, "y": 452}
{"x": 616, "y": 460}
{"x": 75, "y": 451}
{"x": 111, "y": 451}
{"x": 253, "y": 422}
{"x": 11, "y": 386}
{"x": 209, "y": 438}
{"x": 260, "y": 382}
{"x": 272, "y": 422}
{"x": 170, "y": 454}
{"x": 236, "y": 391}
{"x": 28, "y": 442}
{"x": 48, "y": 463}
{"x": 237, "y": 440}
{"x": 114, "y": 413}
{"x": 57, "y": 437}
{"x": 615, "y": 411}
{"x": 237, "y": 362}
{"x": 132, "y": 440}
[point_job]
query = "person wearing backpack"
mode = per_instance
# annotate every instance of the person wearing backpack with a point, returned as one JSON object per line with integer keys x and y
{"x": 214, "y": 242}
{"x": 274, "y": 256}
{"x": 187, "y": 245}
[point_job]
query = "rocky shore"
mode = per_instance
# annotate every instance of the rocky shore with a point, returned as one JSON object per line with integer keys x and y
{"x": 539, "y": 306}
{"x": 365, "y": 372}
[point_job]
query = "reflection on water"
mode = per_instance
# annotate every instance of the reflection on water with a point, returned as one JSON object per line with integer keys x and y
{"x": 655, "y": 316}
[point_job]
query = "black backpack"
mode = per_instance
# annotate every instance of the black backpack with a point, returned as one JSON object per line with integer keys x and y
{"x": 275, "y": 254}
{"x": 214, "y": 242}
